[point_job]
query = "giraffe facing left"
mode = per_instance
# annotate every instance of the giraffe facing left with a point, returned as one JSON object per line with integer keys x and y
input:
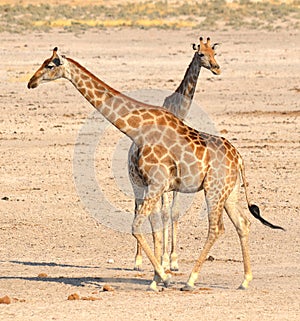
{"x": 173, "y": 157}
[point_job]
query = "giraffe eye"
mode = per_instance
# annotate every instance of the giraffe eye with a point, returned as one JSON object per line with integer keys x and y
{"x": 50, "y": 67}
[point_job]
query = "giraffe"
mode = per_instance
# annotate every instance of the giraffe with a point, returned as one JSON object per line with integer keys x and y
{"x": 179, "y": 104}
{"x": 172, "y": 157}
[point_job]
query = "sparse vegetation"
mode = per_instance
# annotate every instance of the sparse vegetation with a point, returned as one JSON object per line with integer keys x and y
{"x": 160, "y": 14}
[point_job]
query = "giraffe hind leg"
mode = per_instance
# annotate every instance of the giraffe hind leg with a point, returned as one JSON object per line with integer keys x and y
{"x": 242, "y": 225}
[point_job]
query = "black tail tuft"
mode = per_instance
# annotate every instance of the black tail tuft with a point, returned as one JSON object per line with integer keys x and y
{"x": 254, "y": 209}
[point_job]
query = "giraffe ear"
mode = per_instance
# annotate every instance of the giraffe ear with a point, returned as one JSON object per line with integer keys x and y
{"x": 56, "y": 58}
{"x": 194, "y": 46}
{"x": 215, "y": 45}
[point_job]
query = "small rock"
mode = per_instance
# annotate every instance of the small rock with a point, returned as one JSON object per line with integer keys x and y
{"x": 5, "y": 300}
{"x": 224, "y": 131}
{"x": 42, "y": 275}
{"x": 108, "y": 288}
{"x": 73, "y": 296}
{"x": 110, "y": 261}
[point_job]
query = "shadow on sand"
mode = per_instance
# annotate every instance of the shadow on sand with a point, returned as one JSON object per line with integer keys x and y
{"x": 76, "y": 281}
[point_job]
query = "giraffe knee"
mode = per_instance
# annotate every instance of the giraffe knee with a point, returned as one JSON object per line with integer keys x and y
{"x": 156, "y": 222}
{"x": 165, "y": 213}
{"x": 221, "y": 228}
{"x": 175, "y": 214}
{"x": 137, "y": 224}
{"x": 214, "y": 233}
{"x": 217, "y": 230}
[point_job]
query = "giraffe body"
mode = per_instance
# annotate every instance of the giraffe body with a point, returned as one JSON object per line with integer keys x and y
{"x": 173, "y": 157}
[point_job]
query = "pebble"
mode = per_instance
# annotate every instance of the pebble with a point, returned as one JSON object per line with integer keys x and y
{"x": 5, "y": 300}
{"x": 108, "y": 288}
{"x": 74, "y": 296}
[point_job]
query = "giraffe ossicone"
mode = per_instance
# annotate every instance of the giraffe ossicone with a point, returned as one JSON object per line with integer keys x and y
{"x": 179, "y": 159}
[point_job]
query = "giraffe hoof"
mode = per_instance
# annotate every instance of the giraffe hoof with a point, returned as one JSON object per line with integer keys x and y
{"x": 152, "y": 289}
{"x": 138, "y": 268}
{"x": 242, "y": 287}
{"x": 167, "y": 281}
{"x": 187, "y": 288}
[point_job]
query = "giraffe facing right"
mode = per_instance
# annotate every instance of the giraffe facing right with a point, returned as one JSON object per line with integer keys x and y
{"x": 179, "y": 104}
{"x": 172, "y": 157}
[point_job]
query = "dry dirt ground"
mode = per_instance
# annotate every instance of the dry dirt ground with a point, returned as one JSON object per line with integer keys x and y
{"x": 52, "y": 247}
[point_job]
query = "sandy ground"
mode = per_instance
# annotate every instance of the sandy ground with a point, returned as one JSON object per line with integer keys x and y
{"x": 51, "y": 246}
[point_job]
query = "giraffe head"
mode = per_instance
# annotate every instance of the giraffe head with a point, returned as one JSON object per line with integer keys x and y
{"x": 51, "y": 69}
{"x": 206, "y": 53}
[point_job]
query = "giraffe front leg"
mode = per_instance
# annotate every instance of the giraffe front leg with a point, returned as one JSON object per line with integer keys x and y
{"x": 140, "y": 218}
{"x": 173, "y": 256}
{"x": 156, "y": 225}
{"x": 174, "y": 217}
{"x": 157, "y": 240}
{"x": 138, "y": 258}
{"x": 160, "y": 274}
{"x": 165, "y": 211}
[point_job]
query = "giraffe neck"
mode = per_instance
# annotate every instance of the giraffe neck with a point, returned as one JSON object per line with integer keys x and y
{"x": 112, "y": 104}
{"x": 180, "y": 101}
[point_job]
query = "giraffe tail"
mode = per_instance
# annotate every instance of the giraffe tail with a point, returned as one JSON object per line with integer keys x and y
{"x": 254, "y": 209}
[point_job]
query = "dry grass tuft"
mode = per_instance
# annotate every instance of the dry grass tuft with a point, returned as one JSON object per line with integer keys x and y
{"x": 159, "y": 14}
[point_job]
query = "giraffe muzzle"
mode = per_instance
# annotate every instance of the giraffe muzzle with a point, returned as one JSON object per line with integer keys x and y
{"x": 32, "y": 83}
{"x": 216, "y": 70}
